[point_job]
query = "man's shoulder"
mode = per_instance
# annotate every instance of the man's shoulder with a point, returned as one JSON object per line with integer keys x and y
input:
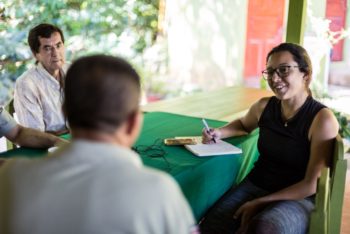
{"x": 160, "y": 178}
{"x": 157, "y": 185}
{"x": 141, "y": 175}
{"x": 158, "y": 195}
{"x": 11, "y": 166}
{"x": 135, "y": 177}
{"x": 28, "y": 76}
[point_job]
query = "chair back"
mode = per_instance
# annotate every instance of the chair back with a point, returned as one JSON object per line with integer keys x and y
{"x": 326, "y": 217}
{"x": 337, "y": 186}
{"x": 319, "y": 220}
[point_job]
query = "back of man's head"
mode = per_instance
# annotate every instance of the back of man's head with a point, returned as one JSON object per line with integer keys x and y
{"x": 42, "y": 30}
{"x": 101, "y": 92}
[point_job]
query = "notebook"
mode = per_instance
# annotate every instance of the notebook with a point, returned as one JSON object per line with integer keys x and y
{"x": 219, "y": 148}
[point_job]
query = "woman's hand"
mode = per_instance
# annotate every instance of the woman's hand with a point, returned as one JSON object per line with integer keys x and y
{"x": 212, "y": 136}
{"x": 247, "y": 211}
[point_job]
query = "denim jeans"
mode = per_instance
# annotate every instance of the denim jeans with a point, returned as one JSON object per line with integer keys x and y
{"x": 279, "y": 217}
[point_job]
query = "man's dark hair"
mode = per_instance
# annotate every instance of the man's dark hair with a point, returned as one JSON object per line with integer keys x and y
{"x": 41, "y": 30}
{"x": 100, "y": 93}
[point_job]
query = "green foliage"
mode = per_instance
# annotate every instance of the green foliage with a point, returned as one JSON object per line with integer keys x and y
{"x": 119, "y": 27}
{"x": 344, "y": 125}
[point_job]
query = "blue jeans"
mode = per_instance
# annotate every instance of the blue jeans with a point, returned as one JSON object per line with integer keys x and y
{"x": 280, "y": 217}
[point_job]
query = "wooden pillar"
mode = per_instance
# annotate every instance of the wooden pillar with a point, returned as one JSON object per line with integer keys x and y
{"x": 296, "y": 21}
{"x": 161, "y": 16}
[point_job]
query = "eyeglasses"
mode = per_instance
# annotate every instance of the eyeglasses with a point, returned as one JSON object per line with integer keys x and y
{"x": 282, "y": 72}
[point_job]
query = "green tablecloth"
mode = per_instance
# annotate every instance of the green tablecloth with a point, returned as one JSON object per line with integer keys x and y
{"x": 203, "y": 180}
{"x": 28, "y": 152}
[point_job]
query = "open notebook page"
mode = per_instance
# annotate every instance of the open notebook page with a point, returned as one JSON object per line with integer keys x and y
{"x": 219, "y": 148}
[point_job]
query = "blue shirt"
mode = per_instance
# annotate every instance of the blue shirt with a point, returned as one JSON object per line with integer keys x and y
{"x": 7, "y": 123}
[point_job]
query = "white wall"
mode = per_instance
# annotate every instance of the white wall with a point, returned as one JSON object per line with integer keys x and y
{"x": 206, "y": 41}
{"x": 316, "y": 45}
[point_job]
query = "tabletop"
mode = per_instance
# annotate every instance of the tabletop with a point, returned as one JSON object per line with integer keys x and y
{"x": 203, "y": 180}
{"x": 223, "y": 104}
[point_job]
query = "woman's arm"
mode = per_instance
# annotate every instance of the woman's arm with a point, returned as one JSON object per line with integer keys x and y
{"x": 238, "y": 127}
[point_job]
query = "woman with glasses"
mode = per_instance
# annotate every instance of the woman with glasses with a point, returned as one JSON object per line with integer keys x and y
{"x": 296, "y": 135}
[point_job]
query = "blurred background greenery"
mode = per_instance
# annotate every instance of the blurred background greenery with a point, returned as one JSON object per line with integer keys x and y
{"x": 189, "y": 51}
{"x": 127, "y": 28}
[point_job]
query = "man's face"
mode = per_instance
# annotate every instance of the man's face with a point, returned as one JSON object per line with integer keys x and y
{"x": 51, "y": 53}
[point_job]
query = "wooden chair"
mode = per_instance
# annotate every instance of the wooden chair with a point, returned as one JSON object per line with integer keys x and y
{"x": 326, "y": 218}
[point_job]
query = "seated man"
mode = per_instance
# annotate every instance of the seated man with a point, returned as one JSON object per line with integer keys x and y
{"x": 96, "y": 184}
{"x": 25, "y": 136}
{"x": 38, "y": 92}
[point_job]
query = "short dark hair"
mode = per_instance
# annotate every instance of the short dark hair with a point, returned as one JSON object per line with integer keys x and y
{"x": 42, "y": 30}
{"x": 100, "y": 93}
{"x": 299, "y": 55}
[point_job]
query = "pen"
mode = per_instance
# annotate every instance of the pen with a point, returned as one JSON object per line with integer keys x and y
{"x": 207, "y": 128}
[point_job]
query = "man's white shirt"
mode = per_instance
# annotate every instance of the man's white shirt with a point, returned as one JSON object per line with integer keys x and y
{"x": 90, "y": 187}
{"x": 38, "y": 100}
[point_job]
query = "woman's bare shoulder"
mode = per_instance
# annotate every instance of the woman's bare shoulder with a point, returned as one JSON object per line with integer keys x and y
{"x": 258, "y": 107}
{"x": 261, "y": 103}
{"x": 325, "y": 123}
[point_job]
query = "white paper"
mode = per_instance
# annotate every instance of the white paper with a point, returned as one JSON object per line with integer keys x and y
{"x": 53, "y": 149}
{"x": 219, "y": 148}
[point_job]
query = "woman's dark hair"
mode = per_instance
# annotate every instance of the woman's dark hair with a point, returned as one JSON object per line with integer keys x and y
{"x": 100, "y": 93}
{"x": 300, "y": 56}
{"x": 41, "y": 30}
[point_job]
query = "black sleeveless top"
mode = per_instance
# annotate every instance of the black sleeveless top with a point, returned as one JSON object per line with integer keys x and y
{"x": 284, "y": 147}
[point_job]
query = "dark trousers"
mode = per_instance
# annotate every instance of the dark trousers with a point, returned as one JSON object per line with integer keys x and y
{"x": 280, "y": 217}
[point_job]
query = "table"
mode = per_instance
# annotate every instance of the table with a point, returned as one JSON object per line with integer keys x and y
{"x": 223, "y": 104}
{"x": 203, "y": 180}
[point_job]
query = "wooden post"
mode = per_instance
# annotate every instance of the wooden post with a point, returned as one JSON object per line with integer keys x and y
{"x": 296, "y": 21}
{"x": 161, "y": 16}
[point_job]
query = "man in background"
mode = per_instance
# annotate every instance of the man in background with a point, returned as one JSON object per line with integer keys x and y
{"x": 38, "y": 92}
{"x": 97, "y": 184}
